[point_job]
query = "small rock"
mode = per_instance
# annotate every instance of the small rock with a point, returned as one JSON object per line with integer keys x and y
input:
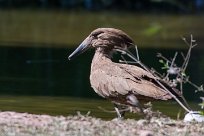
{"x": 145, "y": 133}
{"x": 141, "y": 122}
{"x": 193, "y": 116}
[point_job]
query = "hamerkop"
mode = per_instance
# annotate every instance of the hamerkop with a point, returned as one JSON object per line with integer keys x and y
{"x": 123, "y": 84}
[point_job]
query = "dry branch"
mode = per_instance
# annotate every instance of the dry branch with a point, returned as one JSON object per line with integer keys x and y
{"x": 171, "y": 69}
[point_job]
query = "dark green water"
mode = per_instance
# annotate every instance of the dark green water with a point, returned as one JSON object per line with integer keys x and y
{"x": 47, "y": 71}
{"x": 42, "y": 80}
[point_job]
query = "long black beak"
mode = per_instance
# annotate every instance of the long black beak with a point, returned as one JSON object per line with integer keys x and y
{"x": 79, "y": 50}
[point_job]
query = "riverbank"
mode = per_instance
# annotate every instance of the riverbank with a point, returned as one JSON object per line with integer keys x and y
{"x": 24, "y": 124}
{"x": 55, "y": 28}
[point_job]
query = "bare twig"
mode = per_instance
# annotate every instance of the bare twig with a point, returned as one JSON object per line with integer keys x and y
{"x": 127, "y": 62}
{"x": 180, "y": 71}
{"x": 87, "y": 114}
{"x": 173, "y": 69}
{"x": 171, "y": 66}
{"x": 130, "y": 55}
{"x": 137, "y": 53}
{"x": 111, "y": 111}
{"x": 187, "y": 57}
{"x": 157, "y": 73}
{"x": 159, "y": 55}
{"x": 158, "y": 82}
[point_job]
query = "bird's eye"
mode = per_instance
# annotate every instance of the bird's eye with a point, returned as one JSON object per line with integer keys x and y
{"x": 95, "y": 34}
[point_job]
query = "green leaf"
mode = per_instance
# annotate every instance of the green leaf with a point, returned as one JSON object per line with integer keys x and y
{"x": 201, "y": 113}
{"x": 164, "y": 67}
{"x": 161, "y": 61}
{"x": 201, "y": 104}
{"x": 183, "y": 74}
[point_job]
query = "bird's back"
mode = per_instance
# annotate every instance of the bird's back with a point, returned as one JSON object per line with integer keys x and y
{"x": 113, "y": 80}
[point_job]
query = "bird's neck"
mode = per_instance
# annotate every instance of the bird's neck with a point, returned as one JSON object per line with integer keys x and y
{"x": 103, "y": 53}
{"x": 101, "y": 57}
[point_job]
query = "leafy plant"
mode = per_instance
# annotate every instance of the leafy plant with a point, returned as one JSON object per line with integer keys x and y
{"x": 180, "y": 76}
{"x": 202, "y": 106}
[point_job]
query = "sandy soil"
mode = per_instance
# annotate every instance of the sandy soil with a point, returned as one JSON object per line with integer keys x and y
{"x": 24, "y": 124}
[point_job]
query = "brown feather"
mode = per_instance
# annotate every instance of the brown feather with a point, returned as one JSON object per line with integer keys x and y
{"x": 111, "y": 80}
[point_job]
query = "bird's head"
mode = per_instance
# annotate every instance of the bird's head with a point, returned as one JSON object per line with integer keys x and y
{"x": 106, "y": 39}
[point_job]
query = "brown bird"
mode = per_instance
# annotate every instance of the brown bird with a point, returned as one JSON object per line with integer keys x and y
{"x": 123, "y": 84}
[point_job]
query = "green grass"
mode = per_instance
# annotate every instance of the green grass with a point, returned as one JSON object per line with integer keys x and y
{"x": 68, "y": 28}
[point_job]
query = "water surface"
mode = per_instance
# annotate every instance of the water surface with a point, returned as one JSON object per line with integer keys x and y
{"x": 47, "y": 71}
{"x": 66, "y": 106}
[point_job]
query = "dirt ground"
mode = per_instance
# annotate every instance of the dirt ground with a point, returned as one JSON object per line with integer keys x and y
{"x": 24, "y": 124}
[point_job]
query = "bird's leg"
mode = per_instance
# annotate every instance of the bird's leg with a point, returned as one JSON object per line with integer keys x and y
{"x": 120, "y": 110}
{"x": 131, "y": 99}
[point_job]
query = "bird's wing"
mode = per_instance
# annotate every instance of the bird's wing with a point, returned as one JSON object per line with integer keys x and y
{"x": 151, "y": 84}
{"x": 120, "y": 79}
